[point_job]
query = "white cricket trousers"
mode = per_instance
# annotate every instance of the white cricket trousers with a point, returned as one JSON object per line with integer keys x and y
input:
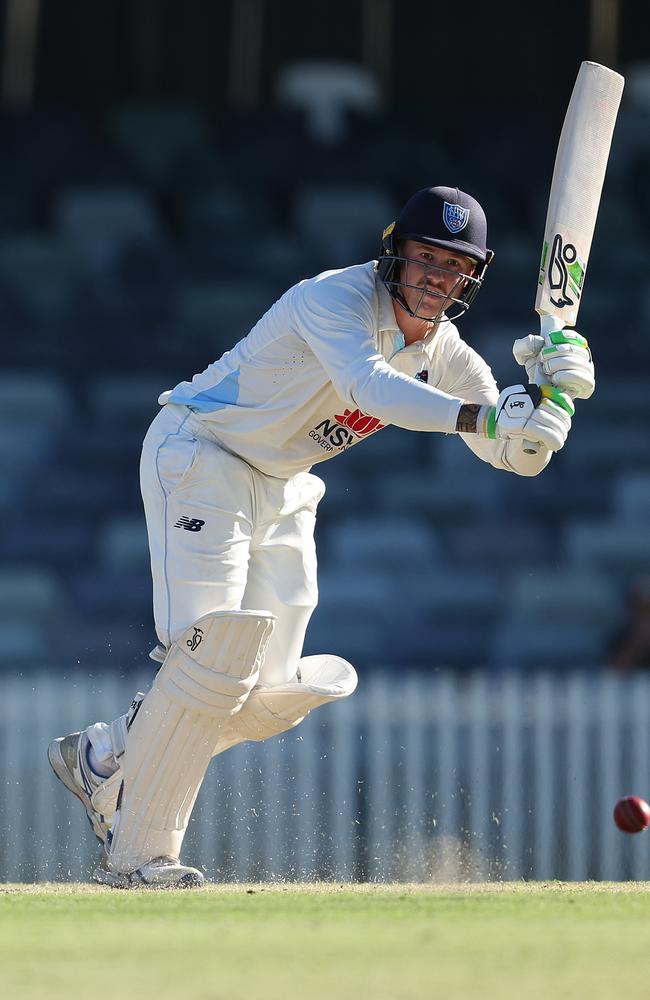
{"x": 224, "y": 536}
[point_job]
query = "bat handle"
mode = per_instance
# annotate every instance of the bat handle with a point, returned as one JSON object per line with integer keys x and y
{"x": 547, "y": 324}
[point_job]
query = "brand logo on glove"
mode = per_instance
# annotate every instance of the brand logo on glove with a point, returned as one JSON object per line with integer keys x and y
{"x": 196, "y": 639}
{"x": 516, "y": 404}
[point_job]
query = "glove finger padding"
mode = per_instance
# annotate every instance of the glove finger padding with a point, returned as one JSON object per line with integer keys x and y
{"x": 550, "y": 422}
{"x": 562, "y": 358}
{"x": 570, "y": 368}
{"x": 527, "y": 348}
{"x": 527, "y": 352}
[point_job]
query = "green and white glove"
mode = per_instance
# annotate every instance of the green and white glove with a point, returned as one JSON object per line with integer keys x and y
{"x": 562, "y": 358}
{"x": 538, "y": 414}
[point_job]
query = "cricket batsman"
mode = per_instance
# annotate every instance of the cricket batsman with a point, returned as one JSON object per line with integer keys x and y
{"x": 230, "y": 505}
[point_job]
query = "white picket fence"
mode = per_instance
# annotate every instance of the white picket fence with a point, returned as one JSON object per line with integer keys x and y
{"x": 420, "y": 778}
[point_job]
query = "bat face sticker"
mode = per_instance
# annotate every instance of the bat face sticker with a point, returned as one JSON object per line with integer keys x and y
{"x": 564, "y": 270}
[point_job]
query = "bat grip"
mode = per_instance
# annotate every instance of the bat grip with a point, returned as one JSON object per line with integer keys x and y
{"x": 547, "y": 324}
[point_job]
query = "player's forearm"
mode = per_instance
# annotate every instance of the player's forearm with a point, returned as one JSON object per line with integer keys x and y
{"x": 400, "y": 400}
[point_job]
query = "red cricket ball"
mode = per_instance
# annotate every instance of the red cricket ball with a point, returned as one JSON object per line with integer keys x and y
{"x": 632, "y": 814}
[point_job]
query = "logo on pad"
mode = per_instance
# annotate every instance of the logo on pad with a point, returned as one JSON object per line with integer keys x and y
{"x": 196, "y": 639}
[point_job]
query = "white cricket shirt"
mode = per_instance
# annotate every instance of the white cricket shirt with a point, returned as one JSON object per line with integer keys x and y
{"x": 325, "y": 367}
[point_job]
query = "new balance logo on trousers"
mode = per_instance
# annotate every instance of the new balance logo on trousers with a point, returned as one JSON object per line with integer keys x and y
{"x": 189, "y": 523}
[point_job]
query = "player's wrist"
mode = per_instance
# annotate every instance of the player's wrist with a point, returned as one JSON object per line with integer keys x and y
{"x": 477, "y": 418}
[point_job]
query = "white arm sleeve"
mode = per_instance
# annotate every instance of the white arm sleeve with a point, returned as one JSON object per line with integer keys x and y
{"x": 337, "y": 324}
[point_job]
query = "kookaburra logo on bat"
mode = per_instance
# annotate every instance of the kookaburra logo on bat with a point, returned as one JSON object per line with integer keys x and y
{"x": 566, "y": 273}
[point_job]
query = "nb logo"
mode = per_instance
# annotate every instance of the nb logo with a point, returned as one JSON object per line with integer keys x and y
{"x": 517, "y": 403}
{"x": 196, "y": 638}
{"x": 189, "y": 523}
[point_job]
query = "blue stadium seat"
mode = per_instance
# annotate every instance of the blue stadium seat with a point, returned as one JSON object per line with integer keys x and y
{"x": 351, "y": 617}
{"x": 494, "y": 339}
{"x": 34, "y": 397}
{"x": 64, "y": 543}
{"x": 224, "y": 211}
{"x": 30, "y": 594}
{"x": 440, "y": 645}
{"x": 114, "y": 595}
{"x": 519, "y": 645}
{"x": 128, "y": 398}
{"x": 619, "y": 547}
{"x": 454, "y": 596}
{"x": 219, "y": 313}
{"x": 619, "y": 398}
{"x": 158, "y": 138}
{"x": 23, "y": 645}
{"x": 122, "y": 544}
{"x": 631, "y": 497}
{"x": 117, "y": 646}
{"x": 498, "y": 543}
{"x": 442, "y": 499}
{"x": 343, "y": 224}
{"x": 97, "y": 219}
{"x": 281, "y": 256}
{"x": 43, "y": 271}
{"x": 24, "y": 450}
{"x": 605, "y": 452}
{"x": 388, "y": 452}
{"x": 95, "y": 490}
{"x": 567, "y": 594}
{"x": 384, "y": 543}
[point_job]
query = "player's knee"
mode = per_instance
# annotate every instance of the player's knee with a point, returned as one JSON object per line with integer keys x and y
{"x": 215, "y": 663}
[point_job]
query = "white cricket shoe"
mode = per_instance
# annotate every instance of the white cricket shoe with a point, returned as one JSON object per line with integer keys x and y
{"x": 160, "y": 873}
{"x": 68, "y": 757}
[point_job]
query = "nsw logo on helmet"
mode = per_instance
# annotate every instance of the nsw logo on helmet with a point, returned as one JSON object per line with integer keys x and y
{"x": 455, "y": 217}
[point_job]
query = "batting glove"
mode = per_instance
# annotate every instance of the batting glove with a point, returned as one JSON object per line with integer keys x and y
{"x": 562, "y": 358}
{"x": 540, "y": 414}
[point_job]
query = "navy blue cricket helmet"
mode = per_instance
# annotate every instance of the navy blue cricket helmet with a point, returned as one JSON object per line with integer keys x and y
{"x": 443, "y": 217}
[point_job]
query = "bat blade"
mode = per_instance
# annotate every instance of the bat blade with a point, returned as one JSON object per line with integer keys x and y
{"x": 578, "y": 177}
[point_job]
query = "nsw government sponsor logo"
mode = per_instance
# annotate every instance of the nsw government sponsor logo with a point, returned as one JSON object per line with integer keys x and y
{"x": 344, "y": 429}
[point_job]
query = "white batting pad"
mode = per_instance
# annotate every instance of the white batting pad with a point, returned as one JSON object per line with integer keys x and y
{"x": 273, "y": 710}
{"x": 268, "y": 711}
{"x": 205, "y": 679}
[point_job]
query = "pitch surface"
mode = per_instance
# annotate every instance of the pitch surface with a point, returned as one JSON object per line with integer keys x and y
{"x": 323, "y": 941}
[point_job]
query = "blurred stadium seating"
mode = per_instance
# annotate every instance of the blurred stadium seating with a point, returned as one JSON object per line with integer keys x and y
{"x": 134, "y": 255}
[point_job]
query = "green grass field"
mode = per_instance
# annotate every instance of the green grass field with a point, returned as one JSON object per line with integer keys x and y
{"x": 327, "y": 941}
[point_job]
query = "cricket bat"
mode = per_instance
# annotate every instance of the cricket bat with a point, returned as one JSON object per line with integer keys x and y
{"x": 578, "y": 176}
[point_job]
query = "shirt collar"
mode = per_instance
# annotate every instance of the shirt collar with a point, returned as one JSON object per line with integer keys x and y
{"x": 386, "y": 318}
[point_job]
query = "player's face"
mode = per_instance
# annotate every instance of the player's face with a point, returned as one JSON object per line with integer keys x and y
{"x": 432, "y": 277}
